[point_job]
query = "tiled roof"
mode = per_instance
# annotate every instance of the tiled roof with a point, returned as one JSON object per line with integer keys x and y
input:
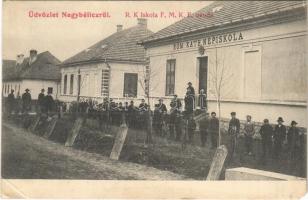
{"x": 8, "y": 68}
{"x": 121, "y": 45}
{"x": 224, "y": 12}
{"x": 45, "y": 67}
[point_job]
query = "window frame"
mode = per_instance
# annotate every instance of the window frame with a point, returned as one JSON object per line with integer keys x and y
{"x": 124, "y": 92}
{"x": 71, "y": 91}
{"x": 65, "y": 84}
{"x": 170, "y": 77}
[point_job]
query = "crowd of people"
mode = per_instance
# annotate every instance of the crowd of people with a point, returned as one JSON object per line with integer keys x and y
{"x": 179, "y": 123}
{"x": 45, "y": 103}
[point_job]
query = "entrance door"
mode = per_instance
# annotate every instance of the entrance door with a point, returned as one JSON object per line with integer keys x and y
{"x": 203, "y": 73}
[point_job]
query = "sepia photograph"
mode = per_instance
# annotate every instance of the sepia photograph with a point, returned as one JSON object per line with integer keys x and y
{"x": 200, "y": 91}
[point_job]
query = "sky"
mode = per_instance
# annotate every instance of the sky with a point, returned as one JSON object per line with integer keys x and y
{"x": 65, "y": 37}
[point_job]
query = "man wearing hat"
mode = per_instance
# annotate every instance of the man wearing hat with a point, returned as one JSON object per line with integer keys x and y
{"x": 266, "y": 132}
{"x": 204, "y": 127}
{"x": 214, "y": 129}
{"x": 189, "y": 98}
{"x": 40, "y": 101}
{"x": 175, "y": 104}
{"x": 49, "y": 103}
{"x": 189, "y": 102}
{"x": 26, "y": 101}
{"x": 279, "y": 136}
{"x": 175, "y": 118}
{"x": 142, "y": 114}
{"x": 159, "y": 112}
{"x": 190, "y": 89}
{"x": 132, "y": 112}
{"x": 293, "y": 141}
{"x": 10, "y": 102}
{"x": 234, "y": 130}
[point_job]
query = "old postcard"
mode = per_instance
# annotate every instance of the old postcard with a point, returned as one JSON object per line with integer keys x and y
{"x": 154, "y": 99}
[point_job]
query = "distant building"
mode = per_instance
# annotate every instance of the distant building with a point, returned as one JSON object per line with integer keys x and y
{"x": 114, "y": 67}
{"x": 36, "y": 72}
{"x": 261, "y": 44}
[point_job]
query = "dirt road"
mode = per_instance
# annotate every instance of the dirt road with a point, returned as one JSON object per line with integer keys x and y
{"x": 25, "y": 155}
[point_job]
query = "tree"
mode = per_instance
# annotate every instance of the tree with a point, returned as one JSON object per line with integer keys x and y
{"x": 145, "y": 82}
{"x": 220, "y": 76}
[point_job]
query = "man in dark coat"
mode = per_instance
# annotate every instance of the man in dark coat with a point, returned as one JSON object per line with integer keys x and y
{"x": 175, "y": 104}
{"x": 159, "y": 112}
{"x": 105, "y": 115}
{"x": 266, "y": 132}
{"x": 40, "y": 101}
{"x": 49, "y": 103}
{"x": 234, "y": 130}
{"x": 204, "y": 128}
{"x": 189, "y": 102}
{"x": 26, "y": 101}
{"x": 132, "y": 112}
{"x": 126, "y": 112}
{"x": 143, "y": 106}
{"x": 214, "y": 130}
{"x": 175, "y": 117}
{"x": 178, "y": 126}
{"x": 191, "y": 129}
{"x": 191, "y": 89}
{"x": 279, "y": 137}
{"x": 142, "y": 114}
{"x": 10, "y": 102}
{"x": 293, "y": 141}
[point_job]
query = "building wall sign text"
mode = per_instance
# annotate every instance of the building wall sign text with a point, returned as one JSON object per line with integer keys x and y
{"x": 211, "y": 40}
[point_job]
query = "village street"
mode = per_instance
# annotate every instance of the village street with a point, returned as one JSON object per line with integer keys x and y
{"x": 25, "y": 155}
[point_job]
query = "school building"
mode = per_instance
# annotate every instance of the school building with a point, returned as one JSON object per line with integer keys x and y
{"x": 251, "y": 54}
{"x": 115, "y": 67}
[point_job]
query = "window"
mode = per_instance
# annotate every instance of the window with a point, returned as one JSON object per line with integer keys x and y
{"x": 65, "y": 85}
{"x": 105, "y": 82}
{"x": 130, "y": 85}
{"x": 170, "y": 77}
{"x": 72, "y": 84}
{"x": 50, "y": 90}
{"x": 78, "y": 84}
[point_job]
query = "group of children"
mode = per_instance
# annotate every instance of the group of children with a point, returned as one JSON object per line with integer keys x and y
{"x": 273, "y": 139}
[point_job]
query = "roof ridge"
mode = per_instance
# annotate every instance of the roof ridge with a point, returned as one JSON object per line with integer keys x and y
{"x": 121, "y": 45}
{"x": 125, "y": 37}
{"x": 232, "y": 11}
{"x": 97, "y": 43}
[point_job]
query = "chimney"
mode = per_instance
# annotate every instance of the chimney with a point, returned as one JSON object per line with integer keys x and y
{"x": 33, "y": 56}
{"x": 19, "y": 59}
{"x": 119, "y": 27}
{"x": 142, "y": 22}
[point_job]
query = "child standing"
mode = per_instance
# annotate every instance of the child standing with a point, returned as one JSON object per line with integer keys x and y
{"x": 249, "y": 131}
